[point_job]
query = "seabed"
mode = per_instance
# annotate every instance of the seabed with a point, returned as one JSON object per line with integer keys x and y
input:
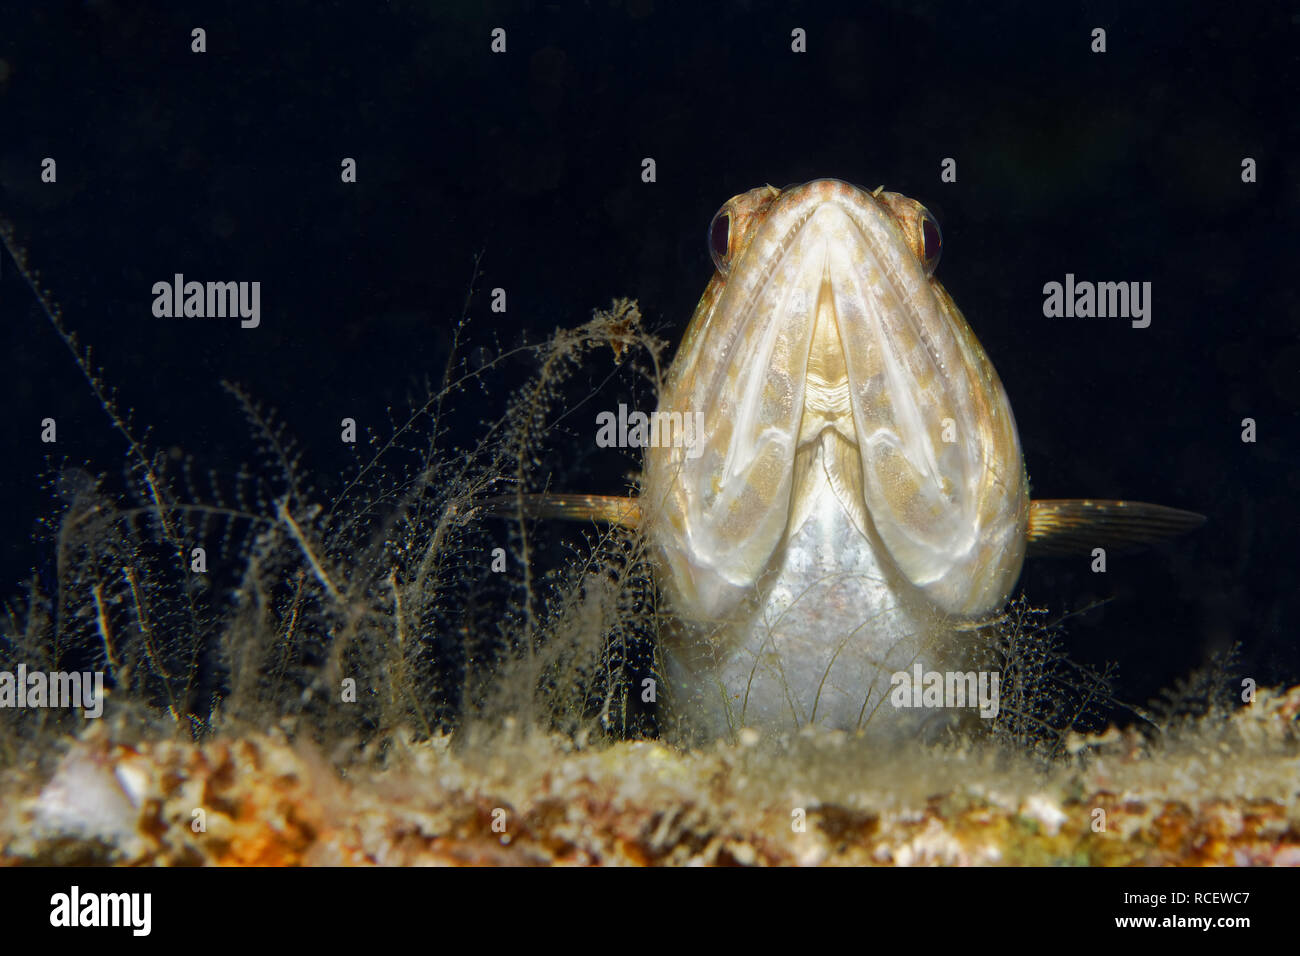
{"x": 1219, "y": 792}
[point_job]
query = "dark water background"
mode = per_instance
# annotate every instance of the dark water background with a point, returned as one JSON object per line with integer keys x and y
{"x": 1122, "y": 166}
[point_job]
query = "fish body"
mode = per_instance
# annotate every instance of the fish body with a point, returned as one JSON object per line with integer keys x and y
{"x": 858, "y": 502}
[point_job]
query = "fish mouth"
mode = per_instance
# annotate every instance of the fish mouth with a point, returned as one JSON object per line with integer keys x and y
{"x": 838, "y": 272}
{"x": 830, "y": 335}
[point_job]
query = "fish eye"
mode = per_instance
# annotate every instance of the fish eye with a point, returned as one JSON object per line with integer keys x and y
{"x": 931, "y": 243}
{"x": 720, "y": 240}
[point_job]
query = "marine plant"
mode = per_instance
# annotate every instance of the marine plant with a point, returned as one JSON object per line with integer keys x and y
{"x": 389, "y": 606}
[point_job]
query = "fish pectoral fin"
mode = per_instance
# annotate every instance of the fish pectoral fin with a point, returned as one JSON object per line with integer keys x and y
{"x": 1057, "y": 526}
{"x": 613, "y": 509}
{"x": 1074, "y": 526}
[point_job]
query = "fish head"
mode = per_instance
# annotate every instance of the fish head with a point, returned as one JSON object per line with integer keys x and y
{"x": 824, "y": 341}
